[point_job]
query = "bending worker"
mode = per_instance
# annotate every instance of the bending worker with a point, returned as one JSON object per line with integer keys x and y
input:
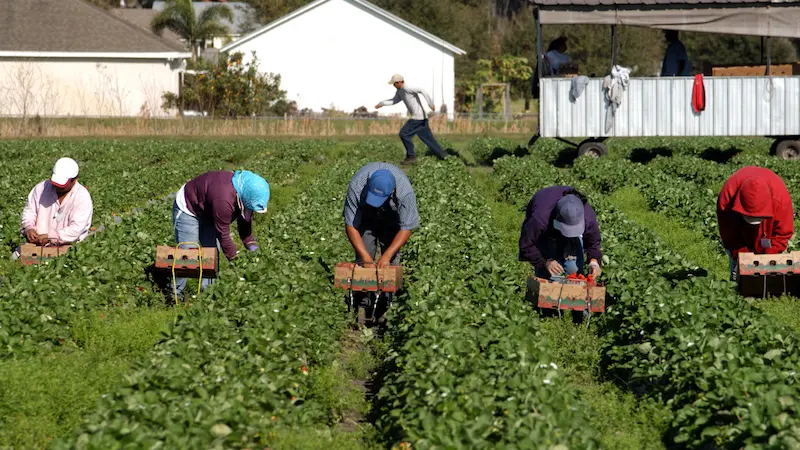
{"x": 754, "y": 212}
{"x": 206, "y": 206}
{"x": 380, "y": 208}
{"x": 59, "y": 210}
{"x": 559, "y": 227}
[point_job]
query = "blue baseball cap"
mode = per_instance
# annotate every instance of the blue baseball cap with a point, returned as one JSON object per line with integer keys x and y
{"x": 569, "y": 216}
{"x": 380, "y": 187}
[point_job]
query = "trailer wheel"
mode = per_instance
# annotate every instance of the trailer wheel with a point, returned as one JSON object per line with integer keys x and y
{"x": 592, "y": 149}
{"x": 788, "y": 149}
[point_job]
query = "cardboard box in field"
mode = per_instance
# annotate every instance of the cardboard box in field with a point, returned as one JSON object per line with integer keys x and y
{"x": 753, "y": 264}
{"x": 351, "y": 276}
{"x": 30, "y": 254}
{"x": 573, "y": 295}
{"x": 188, "y": 261}
{"x": 762, "y": 275}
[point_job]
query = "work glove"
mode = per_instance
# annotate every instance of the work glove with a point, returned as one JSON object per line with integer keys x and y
{"x": 252, "y": 247}
{"x": 570, "y": 267}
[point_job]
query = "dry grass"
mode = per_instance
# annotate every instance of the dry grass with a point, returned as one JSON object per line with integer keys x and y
{"x": 303, "y": 127}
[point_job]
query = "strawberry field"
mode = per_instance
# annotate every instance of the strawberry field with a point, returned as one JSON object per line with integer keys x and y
{"x": 93, "y": 357}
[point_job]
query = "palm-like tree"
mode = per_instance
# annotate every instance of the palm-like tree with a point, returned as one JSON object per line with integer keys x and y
{"x": 178, "y": 16}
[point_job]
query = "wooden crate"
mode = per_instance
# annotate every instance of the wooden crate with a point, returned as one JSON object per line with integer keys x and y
{"x": 187, "y": 262}
{"x": 753, "y": 264}
{"x": 350, "y": 276}
{"x": 574, "y": 295}
{"x": 778, "y": 70}
{"x": 769, "y": 275}
{"x": 31, "y": 254}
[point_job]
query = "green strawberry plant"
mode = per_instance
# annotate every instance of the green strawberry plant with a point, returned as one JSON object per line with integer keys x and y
{"x": 724, "y": 369}
{"x": 469, "y": 367}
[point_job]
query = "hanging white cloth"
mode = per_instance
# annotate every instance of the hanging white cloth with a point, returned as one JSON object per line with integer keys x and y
{"x": 614, "y": 85}
{"x": 579, "y": 83}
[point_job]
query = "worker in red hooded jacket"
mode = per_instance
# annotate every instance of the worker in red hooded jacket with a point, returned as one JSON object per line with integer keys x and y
{"x": 754, "y": 211}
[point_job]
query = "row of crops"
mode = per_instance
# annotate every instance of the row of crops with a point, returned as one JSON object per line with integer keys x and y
{"x": 467, "y": 362}
{"x": 725, "y": 370}
{"x": 108, "y": 270}
{"x": 239, "y": 368}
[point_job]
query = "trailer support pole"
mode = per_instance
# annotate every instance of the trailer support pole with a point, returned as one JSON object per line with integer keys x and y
{"x": 769, "y": 56}
{"x": 538, "y": 43}
{"x": 613, "y": 45}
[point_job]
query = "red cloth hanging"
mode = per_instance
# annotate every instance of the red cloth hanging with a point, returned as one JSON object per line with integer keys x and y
{"x": 698, "y": 94}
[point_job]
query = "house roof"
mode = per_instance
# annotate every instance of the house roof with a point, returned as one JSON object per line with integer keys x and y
{"x": 775, "y": 18}
{"x": 382, "y": 13}
{"x": 241, "y": 12}
{"x": 74, "y": 27}
{"x": 142, "y": 18}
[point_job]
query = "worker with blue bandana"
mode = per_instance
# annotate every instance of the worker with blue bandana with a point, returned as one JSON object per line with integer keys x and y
{"x": 380, "y": 209}
{"x": 206, "y": 206}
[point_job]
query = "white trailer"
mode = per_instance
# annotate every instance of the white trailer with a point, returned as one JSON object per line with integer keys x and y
{"x": 662, "y": 106}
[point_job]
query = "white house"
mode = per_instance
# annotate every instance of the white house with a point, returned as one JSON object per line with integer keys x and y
{"x": 70, "y": 58}
{"x": 341, "y": 53}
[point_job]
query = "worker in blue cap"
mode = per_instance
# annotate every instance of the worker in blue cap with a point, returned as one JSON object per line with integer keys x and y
{"x": 559, "y": 227}
{"x": 380, "y": 209}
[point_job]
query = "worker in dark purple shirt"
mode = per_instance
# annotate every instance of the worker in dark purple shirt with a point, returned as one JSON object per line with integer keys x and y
{"x": 559, "y": 227}
{"x": 206, "y": 206}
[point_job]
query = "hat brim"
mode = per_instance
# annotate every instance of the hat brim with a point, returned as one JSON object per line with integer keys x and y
{"x": 569, "y": 231}
{"x": 376, "y": 201}
{"x": 753, "y": 220}
{"x": 59, "y": 181}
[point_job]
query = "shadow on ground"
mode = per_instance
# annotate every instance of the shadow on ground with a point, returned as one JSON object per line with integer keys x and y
{"x": 722, "y": 156}
{"x": 645, "y": 155}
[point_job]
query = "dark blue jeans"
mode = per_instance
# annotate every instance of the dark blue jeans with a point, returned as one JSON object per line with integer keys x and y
{"x": 419, "y": 128}
{"x": 192, "y": 229}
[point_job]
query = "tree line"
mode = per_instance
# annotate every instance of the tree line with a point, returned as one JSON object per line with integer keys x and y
{"x": 500, "y": 34}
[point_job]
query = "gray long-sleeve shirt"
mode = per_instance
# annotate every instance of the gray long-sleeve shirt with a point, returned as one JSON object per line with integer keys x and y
{"x": 410, "y": 96}
{"x": 403, "y": 202}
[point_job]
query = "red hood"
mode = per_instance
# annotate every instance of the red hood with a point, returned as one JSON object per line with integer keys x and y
{"x": 753, "y": 198}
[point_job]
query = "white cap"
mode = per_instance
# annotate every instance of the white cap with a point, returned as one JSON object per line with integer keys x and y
{"x": 752, "y": 220}
{"x": 64, "y": 170}
{"x": 395, "y": 78}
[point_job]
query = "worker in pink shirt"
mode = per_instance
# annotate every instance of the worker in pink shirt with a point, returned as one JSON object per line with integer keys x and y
{"x": 59, "y": 210}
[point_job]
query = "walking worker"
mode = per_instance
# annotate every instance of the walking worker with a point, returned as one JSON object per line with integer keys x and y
{"x": 380, "y": 209}
{"x": 59, "y": 210}
{"x": 559, "y": 227}
{"x": 418, "y": 123}
{"x": 206, "y": 206}
{"x": 754, "y": 213}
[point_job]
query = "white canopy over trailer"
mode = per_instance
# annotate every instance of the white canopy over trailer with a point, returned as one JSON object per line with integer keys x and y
{"x": 662, "y": 106}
